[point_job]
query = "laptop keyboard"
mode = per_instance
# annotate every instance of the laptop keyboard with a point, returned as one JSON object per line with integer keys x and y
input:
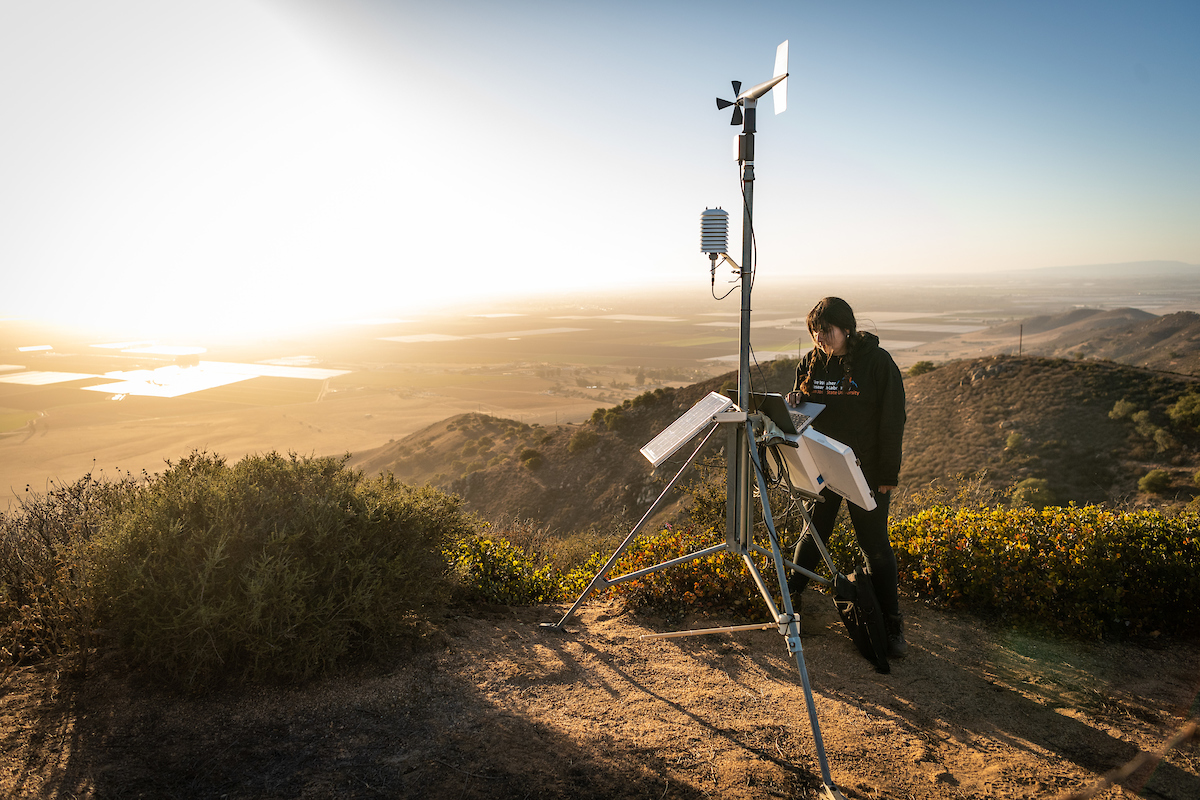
{"x": 799, "y": 420}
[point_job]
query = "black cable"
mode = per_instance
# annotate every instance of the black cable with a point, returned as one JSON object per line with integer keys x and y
{"x": 714, "y": 284}
{"x": 753, "y": 266}
{"x": 761, "y": 374}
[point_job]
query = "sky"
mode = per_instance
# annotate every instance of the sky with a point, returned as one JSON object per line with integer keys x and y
{"x": 237, "y": 164}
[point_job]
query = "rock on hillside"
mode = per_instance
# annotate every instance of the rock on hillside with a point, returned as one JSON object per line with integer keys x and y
{"x": 1032, "y": 417}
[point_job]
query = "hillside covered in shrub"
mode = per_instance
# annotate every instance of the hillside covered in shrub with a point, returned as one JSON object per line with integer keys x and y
{"x": 279, "y": 566}
{"x": 1072, "y": 431}
{"x": 1082, "y": 431}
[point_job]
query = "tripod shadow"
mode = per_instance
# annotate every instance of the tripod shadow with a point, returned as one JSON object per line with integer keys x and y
{"x": 977, "y": 693}
{"x": 778, "y": 749}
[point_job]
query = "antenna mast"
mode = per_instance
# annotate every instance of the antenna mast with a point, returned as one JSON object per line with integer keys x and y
{"x": 739, "y": 504}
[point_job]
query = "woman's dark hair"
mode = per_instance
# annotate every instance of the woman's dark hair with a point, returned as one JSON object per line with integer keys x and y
{"x": 831, "y": 312}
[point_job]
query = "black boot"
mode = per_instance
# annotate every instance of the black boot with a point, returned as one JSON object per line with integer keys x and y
{"x": 897, "y": 646}
{"x": 796, "y": 584}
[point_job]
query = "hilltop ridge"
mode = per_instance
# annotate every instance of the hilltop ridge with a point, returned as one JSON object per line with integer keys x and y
{"x": 1017, "y": 418}
{"x": 1170, "y": 342}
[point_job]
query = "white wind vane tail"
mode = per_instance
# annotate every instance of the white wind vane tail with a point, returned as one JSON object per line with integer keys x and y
{"x": 779, "y": 93}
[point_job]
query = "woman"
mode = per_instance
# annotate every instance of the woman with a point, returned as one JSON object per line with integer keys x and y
{"x": 863, "y": 393}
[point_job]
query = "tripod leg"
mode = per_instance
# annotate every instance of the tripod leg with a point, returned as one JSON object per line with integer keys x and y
{"x": 826, "y": 778}
{"x": 810, "y": 529}
{"x": 598, "y": 578}
{"x": 792, "y": 628}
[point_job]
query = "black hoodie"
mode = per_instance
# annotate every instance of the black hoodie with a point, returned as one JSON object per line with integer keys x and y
{"x": 864, "y": 409}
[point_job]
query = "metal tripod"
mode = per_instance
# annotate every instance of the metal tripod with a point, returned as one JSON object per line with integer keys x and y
{"x": 740, "y": 542}
{"x": 743, "y": 466}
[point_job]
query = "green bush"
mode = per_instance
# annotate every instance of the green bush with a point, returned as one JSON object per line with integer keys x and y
{"x": 1143, "y": 423}
{"x": 47, "y": 607}
{"x": 1164, "y": 442}
{"x": 531, "y": 458}
{"x": 275, "y": 567}
{"x": 1154, "y": 481}
{"x": 1122, "y": 409}
{"x": 576, "y": 579}
{"x": 1081, "y": 571}
{"x": 920, "y": 368}
{"x": 498, "y": 572}
{"x": 614, "y": 420}
{"x": 582, "y": 439}
{"x": 649, "y": 398}
{"x": 1185, "y": 412}
{"x": 1033, "y": 492}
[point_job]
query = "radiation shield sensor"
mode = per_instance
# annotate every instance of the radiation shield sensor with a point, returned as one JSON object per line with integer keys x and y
{"x": 714, "y": 232}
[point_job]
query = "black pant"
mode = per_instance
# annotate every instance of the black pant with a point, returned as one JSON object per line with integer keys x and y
{"x": 871, "y": 531}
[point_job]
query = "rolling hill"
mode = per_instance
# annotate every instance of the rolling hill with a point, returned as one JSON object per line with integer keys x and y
{"x": 1127, "y": 335}
{"x": 1018, "y": 418}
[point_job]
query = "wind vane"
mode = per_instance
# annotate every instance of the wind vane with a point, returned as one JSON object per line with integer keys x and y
{"x": 778, "y": 83}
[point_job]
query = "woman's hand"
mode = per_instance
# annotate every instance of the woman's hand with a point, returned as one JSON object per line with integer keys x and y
{"x": 885, "y": 489}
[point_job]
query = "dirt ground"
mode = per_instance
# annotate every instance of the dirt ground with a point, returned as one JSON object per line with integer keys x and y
{"x": 493, "y": 705}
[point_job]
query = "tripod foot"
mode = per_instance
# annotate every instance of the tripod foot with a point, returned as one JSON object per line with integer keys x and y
{"x": 830, "y": 792}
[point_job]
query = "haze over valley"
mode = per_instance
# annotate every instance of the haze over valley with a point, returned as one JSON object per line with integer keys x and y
{"x": 72, "y": 401}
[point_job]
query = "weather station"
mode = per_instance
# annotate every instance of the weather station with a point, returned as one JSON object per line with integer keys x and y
{"x": 767, "y": 443}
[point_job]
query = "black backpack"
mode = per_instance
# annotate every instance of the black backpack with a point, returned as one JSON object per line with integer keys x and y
{"x": 854, "y": 596}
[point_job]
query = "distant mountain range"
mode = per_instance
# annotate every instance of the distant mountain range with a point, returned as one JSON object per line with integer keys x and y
{"x": 1132, "y": 270}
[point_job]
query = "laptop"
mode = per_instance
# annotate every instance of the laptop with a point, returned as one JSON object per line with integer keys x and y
{"x": 788, "y": 418}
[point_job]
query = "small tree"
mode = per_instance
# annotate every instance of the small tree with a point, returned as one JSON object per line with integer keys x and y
{"x": 1033, "y": 492}
{"x": 1164, "y": 441}
{"x": 920, "y": 368}
{"x": 582, "y": 439}
{"x": 1186, "y": 412}
{"x": 1155, "y": 481}
{"x": 1122, "y": 409}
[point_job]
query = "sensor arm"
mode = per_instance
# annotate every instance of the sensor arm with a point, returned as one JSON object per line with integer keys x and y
{"x": 755, "y": 92}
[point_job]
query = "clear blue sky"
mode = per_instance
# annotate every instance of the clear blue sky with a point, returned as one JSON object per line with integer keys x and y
{"x": 285, "y": 159}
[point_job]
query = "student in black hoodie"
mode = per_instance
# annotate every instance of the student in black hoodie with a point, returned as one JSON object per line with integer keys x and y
{"x": 863, "y": 393}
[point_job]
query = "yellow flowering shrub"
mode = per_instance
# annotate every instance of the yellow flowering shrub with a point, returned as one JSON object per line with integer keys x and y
{"x": 718, "y": 582}
{"x": 1084, "y": 571}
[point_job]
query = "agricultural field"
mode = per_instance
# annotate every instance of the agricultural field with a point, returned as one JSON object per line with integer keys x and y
{"x": 11, "y": 419}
